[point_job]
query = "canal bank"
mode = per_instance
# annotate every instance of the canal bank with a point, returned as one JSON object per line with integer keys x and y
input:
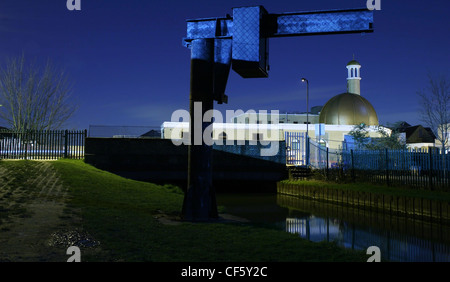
{"x": 399, "y": 238}
{"x": 424, "y": 208}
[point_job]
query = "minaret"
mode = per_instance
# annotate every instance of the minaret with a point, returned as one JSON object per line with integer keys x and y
{"x": 354, "y": 77}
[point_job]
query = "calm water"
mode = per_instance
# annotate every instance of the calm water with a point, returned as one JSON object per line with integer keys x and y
{"x": 399, "y": 238}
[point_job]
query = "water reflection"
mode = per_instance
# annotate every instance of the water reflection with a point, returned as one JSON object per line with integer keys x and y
{"x": 393, "y": 246}
{"x": 314, "y": 228}
{"x": 399, "y": 238}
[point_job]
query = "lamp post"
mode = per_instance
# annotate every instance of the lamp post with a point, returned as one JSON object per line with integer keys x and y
{"x": 307, "y": 119}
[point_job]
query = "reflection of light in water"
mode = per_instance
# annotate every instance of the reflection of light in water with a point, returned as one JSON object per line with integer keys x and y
{"x": 313, "y": 228}
{"x": 393, "y": 246}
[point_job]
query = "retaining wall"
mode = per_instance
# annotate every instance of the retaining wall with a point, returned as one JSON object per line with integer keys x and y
{"x": 159, "y": 160}
{"x": 401, "y": 205}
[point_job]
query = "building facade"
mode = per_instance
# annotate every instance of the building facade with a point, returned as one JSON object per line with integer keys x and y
{"x": 327, "y": 125}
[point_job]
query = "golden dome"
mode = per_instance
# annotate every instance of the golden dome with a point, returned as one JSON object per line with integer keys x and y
{"x": 348, "y": 109}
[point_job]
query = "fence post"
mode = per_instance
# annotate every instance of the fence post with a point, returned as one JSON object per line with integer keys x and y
{"x": 84, "y": 142}
{"x": 353, "y": 166}
{"x": 25, "y": 143}
{"x": 307, "y": 150}
{"x": 326, "y": 172}
{"x": 66, "y": 139}
{"x": 430, "y": 173}
{"x": 387, "y": 167}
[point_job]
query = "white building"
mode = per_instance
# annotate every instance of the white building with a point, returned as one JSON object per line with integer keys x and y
{"x": 328, "y": 124}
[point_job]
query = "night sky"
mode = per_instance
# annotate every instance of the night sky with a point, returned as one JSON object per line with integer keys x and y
{"x": 129, "y": 67}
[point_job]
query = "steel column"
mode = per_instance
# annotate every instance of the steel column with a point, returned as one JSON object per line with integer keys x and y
{"x": 200, "y": 199}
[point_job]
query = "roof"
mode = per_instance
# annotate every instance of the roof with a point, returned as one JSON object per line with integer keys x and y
{"x": 419, "y": 134}
{"x": 353, "y": 62}
{"x": 399, "y": 126}
{"x": 348, "y": 109}
{"x": 152, "y": 133}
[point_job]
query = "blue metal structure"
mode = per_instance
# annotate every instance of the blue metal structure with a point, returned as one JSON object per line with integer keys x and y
{"x": 250, "y": 28}
{"x": 240, "y": 42}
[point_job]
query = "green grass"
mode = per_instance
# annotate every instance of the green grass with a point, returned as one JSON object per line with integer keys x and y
{"x": 381, "y": 189}
{"x": 15, "y": 195}
{"x": 121, "y": 214}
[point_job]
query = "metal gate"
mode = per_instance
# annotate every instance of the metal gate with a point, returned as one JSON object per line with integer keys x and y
{"x": 296, "y": 149}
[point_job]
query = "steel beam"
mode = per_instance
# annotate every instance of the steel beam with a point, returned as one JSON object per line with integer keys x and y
{"x": 288, "y": 24}
{"x": 319, "y": 22}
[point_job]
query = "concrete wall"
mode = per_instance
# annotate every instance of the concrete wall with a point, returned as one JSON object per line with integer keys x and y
{"x": 159, "y": 160}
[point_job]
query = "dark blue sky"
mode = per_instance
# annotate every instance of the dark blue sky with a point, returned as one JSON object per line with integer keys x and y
{"x": 128, "y": 65}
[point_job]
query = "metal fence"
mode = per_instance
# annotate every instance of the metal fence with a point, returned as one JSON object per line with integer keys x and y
{"x": 428, "y": 169}
{"x": 415, "y": 167}
{"x": 42, "y": 144}
{"x": 113, "y": 131}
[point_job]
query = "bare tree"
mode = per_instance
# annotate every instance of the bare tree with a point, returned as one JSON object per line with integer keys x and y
{"x": 34, "y": 98}
{"x": 435, "y": 112}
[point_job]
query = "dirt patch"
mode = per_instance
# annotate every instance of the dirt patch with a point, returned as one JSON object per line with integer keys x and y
{"x": 33, "y": 211}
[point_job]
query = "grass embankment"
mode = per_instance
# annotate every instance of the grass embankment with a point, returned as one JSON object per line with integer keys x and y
{"x": 378, "y": 189}
{"x": 123, "y": 215}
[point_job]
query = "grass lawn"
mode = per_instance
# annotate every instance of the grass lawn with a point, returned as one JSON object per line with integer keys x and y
{"x": 124, "y": 214}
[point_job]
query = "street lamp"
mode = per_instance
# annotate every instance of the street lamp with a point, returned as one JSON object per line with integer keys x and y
{"x": 307, "y": 119}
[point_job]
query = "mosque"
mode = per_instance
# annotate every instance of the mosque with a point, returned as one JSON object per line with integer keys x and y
{"x": 328, "y": 125}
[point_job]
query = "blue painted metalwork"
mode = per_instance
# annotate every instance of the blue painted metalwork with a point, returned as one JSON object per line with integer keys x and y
{"x": 251, "y": 27}
{"x": 222, "y": 65}
{"x": 320, "y": 22}
{"x": 250, "y": 46}
{"x": 241, "y": 41}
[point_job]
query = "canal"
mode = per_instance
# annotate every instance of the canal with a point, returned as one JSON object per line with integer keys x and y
{"x": 398, "y": 237}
